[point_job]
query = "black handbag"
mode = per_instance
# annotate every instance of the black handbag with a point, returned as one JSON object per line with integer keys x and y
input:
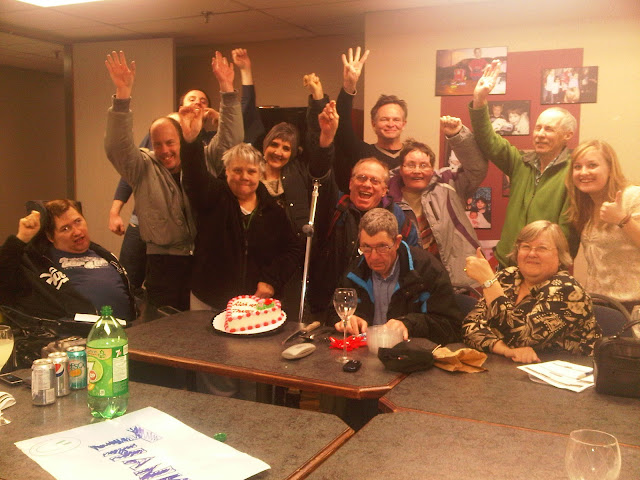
{"x": 407, "y": 357}
{"x": 617, "y": 364}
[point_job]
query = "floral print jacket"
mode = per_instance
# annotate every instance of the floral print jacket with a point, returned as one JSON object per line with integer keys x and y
{"x": 556, "y": 315}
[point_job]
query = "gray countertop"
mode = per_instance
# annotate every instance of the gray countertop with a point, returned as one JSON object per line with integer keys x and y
{"x": 187, "y": 340}
{"x": 291, "y": 441}
{"x": 413, "y": 445}
{"x": 505, "y": 395}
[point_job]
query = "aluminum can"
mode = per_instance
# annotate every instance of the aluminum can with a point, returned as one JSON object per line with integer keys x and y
{"x": 77, "y": 367}
{"x": 43, "y": 382}
{"x": 61, "y": 364}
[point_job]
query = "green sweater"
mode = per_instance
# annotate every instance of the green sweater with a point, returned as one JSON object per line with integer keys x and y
{"x": 528, "y": 202}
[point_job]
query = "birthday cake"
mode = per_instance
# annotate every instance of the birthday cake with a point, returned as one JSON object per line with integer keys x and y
{"x": 247, "y": 312}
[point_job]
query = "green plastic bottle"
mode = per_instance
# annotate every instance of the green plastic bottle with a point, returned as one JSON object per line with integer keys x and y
{"x": 107, "y": 367}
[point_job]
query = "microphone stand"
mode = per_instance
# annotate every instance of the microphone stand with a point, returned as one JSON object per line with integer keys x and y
{"x": 308, "y": 231}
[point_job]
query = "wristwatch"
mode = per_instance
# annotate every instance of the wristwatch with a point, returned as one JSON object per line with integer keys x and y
{"x": 488, "y": 283}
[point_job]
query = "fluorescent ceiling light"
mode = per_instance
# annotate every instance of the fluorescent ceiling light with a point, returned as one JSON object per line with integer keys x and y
{"x": 56, "y": 3}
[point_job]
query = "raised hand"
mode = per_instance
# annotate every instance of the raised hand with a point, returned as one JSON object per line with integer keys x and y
{"x": 450, "y": 125}
{"x": 352, "y": 69}
{"x": 612, "y": 212}
{"x": 241, "y": 58}
{"x": 223, "y": 71}
{"x": 122, "y": 75}
{"x": 312, "y": 82}
{"x": 190, "y": 122}
{"x": 211, "y": 119}
{"x": 28, "y": 226}
{"x": 478, "y": 268}
{"x": 243, "y": 62}
{"x": 486, "y": 83}
{"x": 328, "y": 120}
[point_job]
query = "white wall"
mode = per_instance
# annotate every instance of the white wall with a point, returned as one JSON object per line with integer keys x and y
{"x": 152, "y": 97}
{"x": 404, "y": 44}
{"x": 32, "y": 142}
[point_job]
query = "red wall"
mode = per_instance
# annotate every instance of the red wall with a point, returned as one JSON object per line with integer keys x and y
{"x": 524, "y": 77}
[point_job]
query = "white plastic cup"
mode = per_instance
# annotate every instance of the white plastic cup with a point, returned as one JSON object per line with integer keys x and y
{"x": 382, "y": 336}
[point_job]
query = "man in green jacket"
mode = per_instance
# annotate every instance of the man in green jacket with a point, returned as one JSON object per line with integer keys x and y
{"x": 537, "y": 178}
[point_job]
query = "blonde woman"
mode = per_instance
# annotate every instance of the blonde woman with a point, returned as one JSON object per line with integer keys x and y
{"x": 604, "y": 207}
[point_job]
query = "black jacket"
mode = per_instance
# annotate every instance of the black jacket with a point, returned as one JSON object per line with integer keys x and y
{"x": 28, "y": 281}
{"x": 423, "y": 301}
{"x": 230, "y": 260}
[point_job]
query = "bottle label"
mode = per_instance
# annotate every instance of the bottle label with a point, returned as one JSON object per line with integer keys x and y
{"x": 107, "y": 371}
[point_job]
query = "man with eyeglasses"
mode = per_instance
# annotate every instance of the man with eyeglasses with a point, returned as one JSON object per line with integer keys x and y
{"x": 338, "y": 214}
{"x": 538, "y": 191}
{"x": 404, "y": 287}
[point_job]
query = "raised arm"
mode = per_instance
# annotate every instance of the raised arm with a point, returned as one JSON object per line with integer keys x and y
{"x": 485, "y": 84}
{"x": 230, "y": 128}
{"x": 122, "y": 75}
{"x": 474, "y": 166}
{"x": 352, "y": 69}
{"x": 253, "y": 126}
{"x": 322, "y": 152}
{"x": 121, "y": 150}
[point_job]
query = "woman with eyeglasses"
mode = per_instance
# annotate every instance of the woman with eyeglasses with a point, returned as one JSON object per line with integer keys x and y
{"x": 435, "y": 200}
{"x": 605, "y": 208}
{"x": 534, "y": 306}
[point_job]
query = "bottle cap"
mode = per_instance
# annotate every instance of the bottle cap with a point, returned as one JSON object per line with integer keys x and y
{"x": 221, "y": 437}
{"x": 106, "y": 311}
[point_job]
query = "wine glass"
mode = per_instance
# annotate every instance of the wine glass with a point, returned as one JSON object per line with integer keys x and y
{"x": 345, "y": 301}
{"x": 592, "y": 455}
{"x": 6, "y": 347}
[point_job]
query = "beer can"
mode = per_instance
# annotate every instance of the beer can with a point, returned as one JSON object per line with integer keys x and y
{"x": 77, "y": 367}
{"x": 61, "y": 364}
{"x": 43, "y": 382}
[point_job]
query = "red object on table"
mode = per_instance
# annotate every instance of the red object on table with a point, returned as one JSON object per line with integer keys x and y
{"x": 353, "y": 342}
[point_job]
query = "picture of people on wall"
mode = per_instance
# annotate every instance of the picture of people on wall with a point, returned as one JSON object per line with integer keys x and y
{"x": 510, "y": 117}
{"x": 569, "y": 85}
{"x": 478, "y": 208}
{"x": 458, "y": 71}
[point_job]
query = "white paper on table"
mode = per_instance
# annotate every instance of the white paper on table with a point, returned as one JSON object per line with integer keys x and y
{"x": 141, "y": 444}
{"x": 558, "y": 373}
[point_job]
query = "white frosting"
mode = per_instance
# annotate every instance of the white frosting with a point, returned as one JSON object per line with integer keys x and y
{"x": 247, "y": 312}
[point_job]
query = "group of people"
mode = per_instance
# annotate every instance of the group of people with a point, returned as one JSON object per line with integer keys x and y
{"x": 219, "y": 219}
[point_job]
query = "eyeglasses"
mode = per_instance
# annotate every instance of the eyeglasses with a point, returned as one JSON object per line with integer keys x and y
{"x": 414, "y": 166}
{"x": 541, "y": 250}
{"x": 379, "y": 249}
{"x": 362, "y": 179}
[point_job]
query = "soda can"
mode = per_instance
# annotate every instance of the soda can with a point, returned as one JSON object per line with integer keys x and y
{"x": 77, "y": 367}
{"x": 61, "y": 364}
{"x": 43, "y": 382}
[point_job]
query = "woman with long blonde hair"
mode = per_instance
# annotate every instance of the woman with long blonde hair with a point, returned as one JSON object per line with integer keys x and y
{"x": 605, "y": 208}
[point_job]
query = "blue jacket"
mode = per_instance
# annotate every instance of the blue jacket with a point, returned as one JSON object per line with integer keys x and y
{"x": 423, "y": 298}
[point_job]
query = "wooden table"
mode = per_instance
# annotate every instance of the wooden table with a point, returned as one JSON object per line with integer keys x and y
{"x": 293, "y": 442}
{"x": 414, "y": 445}
{"x": 504, "y": 395}
{"x": 187, "y": 341}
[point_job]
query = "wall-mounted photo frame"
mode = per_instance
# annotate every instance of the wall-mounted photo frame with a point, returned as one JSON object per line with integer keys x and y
{"x": 478, "y": 208}
{"x": 569, "y": 85}
{"x": 458, "y": 71}
{"x": 510, "y": 117}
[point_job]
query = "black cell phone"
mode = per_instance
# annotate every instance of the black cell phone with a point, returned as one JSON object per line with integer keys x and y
{"x": 352, "y": 366}
{"x": 11, "y": 379}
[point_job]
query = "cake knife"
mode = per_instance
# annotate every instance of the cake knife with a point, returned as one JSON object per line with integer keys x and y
{"x": 302, "y": 331}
